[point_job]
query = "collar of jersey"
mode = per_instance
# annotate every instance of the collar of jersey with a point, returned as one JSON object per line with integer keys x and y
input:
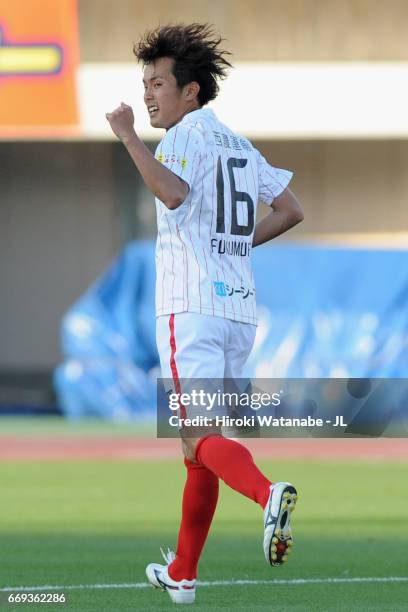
{"x": 196, "y": 114}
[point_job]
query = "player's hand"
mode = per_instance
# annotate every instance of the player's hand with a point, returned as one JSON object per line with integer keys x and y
{"x": 121, "y": 121}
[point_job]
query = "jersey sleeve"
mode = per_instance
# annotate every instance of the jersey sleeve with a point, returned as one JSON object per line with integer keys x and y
{"x": 181, "y": 150}
{"x": 272, "y": 181}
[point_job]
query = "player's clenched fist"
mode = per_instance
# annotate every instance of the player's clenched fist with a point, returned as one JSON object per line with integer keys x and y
{"x": 121, "y": 121}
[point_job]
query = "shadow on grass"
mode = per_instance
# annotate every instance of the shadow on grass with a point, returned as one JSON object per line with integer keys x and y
{"x": 69, "y": 559}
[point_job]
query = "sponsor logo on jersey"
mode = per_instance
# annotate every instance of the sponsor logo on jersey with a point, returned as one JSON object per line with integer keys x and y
{"x": 219, "y": 287}
{"x": 167, "y": 158}
{"x": 225, "y": 290}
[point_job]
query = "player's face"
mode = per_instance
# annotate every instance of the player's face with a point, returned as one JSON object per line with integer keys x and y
{"x": 166, "y": 103}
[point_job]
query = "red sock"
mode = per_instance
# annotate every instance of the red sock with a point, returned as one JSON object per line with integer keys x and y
{"x": 199, "y": 502}
{"x": 233, "y": 463}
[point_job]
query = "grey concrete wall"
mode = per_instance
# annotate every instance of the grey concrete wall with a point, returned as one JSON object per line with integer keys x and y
{"x": 284, "y": 30}
{"x": 57, "y": 233}
{"x": 347, "y": 186}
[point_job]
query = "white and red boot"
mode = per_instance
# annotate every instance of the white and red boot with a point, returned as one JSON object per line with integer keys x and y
{"x": 180, "y": 591}
{"x": 278, "y": 538}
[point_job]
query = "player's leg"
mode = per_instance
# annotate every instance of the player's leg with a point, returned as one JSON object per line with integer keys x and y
{"x": 189, "y": 349}
{"x": 233, "y": 463}
{"x": 199, "y": 502}
{"x": 228, "y": 459}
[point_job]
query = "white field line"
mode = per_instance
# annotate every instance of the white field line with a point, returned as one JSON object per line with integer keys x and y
{"x": 143, "y": 585}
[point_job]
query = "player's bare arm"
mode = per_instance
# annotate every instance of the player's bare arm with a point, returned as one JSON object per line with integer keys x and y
{"x": 286, "y": 214}
{"x": 163, "y": 183}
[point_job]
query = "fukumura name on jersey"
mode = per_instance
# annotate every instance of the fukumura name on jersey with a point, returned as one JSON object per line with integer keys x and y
{"x": 240, "y": 248}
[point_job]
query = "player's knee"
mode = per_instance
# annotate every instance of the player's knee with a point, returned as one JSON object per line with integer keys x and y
{"x": 189, "y": 446}
{"x": 190, "y": 443}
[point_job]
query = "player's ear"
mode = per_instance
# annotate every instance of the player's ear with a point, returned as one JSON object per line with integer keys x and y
{"x": 191, "y": 90}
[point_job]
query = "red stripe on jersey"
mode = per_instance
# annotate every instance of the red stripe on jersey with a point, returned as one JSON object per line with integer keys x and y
{"x": 184, "y": 154}
{"x": 214, "y": 165}
{"x": 199, "y": 235}
{"x": 220, "y": 259}
{"x": 240, "y": 259}
{"x": 174, "y": 142}
{"x": 192, "y": 246}
{"x": 173, "y": 365}
{"x": 185, "y": 267}
{"x": 172, "y": 261}
{"x": 210, "y": 236}
{"x": 256, "y": 191}
{"x": 161, "y": 255}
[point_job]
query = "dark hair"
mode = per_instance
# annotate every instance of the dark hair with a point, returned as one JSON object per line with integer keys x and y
{"x": 194, "y": 50}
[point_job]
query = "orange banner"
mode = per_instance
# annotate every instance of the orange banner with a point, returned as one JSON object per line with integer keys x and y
{"x": 39, "y": 56}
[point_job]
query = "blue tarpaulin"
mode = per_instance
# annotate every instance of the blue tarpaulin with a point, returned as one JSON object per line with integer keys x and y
{"x": 323, "y": 312}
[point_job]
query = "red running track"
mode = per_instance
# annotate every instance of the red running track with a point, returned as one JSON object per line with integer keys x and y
{"x": 41, "y": 448}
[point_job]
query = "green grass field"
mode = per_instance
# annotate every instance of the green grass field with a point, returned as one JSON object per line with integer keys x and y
{"x": 88, "y": 523}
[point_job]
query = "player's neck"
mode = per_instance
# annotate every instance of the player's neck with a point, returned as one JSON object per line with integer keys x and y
{"x": 188, "y": 110}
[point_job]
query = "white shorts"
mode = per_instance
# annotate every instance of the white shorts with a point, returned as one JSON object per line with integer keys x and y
{"x": 196, "y": 347}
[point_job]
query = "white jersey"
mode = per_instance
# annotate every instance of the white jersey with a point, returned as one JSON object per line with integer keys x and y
{"x": 203, "y": 250}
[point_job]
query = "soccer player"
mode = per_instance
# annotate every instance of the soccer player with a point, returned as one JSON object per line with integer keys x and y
{"x": 207, "y": 181}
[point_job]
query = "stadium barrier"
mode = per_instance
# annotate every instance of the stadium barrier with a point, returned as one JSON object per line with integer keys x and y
{"x": 323, "y": 312}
